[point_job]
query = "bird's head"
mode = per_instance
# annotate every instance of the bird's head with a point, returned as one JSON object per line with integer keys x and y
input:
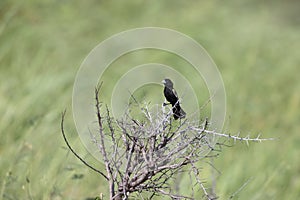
{"x": 168, "y": 83}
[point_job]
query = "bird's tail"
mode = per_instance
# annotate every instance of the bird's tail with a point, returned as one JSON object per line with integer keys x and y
{"x": 178, "y": 112}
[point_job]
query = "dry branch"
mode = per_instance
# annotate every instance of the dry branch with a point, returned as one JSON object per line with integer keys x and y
{"x": 145, "y": 154}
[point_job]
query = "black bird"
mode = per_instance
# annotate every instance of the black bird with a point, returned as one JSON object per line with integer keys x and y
{"x": 172, "y": 98}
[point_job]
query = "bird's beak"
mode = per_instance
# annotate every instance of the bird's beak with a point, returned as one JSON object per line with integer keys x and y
{"x": 163, "y": 81}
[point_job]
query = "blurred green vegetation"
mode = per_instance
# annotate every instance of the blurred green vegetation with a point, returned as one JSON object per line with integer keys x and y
{"x": 255, "y": 44}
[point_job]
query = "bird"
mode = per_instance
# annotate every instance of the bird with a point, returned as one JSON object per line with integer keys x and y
{"x": 172, "y": 97}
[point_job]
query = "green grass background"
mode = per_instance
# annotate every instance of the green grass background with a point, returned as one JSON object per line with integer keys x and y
{"x": 255, "y": 44}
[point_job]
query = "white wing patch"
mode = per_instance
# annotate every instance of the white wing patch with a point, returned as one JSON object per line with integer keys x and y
{"x": 175, "y": 93}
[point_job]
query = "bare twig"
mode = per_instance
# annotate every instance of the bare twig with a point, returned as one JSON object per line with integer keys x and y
{"x": 72, "y": 150}
{"x": 240, "y": 189}
{"x": 102, "y": 146}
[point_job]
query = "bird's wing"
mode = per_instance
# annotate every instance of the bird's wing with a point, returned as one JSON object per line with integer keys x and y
{"x": 175, "y": 93}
